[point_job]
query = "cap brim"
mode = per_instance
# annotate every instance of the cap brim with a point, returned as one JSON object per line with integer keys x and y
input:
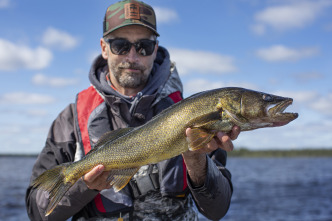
{"x": 120, "y": 26}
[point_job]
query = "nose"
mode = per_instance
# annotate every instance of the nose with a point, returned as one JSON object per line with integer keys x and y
{"x": 132, "y": 56}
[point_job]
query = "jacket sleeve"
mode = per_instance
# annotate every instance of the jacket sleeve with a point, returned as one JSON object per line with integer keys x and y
{"x": 213, "y": 198}
{"x": 60, "y": 147}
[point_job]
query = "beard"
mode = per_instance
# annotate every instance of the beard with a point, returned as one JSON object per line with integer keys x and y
{"x": 127, "y": 79}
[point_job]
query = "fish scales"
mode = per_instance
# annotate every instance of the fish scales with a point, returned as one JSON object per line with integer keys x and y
{"x": 124, "y": 151}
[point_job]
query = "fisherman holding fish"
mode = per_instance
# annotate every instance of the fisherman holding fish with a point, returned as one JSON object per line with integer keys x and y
{"x": 132, "y": 81}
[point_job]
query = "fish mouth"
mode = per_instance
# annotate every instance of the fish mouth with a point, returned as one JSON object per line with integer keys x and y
{"x": 276, "y": 112}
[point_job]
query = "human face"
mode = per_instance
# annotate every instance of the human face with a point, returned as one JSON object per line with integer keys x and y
{"x": 129, "y": 73}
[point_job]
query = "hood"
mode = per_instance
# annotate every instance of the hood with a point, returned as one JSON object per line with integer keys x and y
{"x": 163, "y": 80}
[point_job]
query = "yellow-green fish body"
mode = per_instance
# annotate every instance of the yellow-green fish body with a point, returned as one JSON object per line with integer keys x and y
{"x": 124, "y": 151}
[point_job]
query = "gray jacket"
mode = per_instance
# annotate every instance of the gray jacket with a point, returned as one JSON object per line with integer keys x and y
{"x": 170, "y": 199}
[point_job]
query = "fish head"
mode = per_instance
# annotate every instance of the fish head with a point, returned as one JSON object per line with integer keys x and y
{"x": 266, "y": 110}
{"x": 252, "y": 109}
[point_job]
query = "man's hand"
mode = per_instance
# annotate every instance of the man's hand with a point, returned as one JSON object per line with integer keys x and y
{"x": 96, "y": 178}
{"x": 221, "y": 140}
{"x": 196, "y": 160}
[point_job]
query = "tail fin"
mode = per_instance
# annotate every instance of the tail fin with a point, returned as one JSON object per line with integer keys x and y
{"x": 53, "y": 181}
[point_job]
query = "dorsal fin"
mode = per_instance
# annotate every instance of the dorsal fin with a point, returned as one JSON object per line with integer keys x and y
{"x": 112, "y": 135}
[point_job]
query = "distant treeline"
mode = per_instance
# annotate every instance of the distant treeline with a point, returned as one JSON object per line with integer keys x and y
{"x": 243, "y": 152}
{"x": 18, "y": 155}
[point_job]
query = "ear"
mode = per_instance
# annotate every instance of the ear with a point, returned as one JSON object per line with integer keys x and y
{"x": 155, "y": 50}
{"x": 157, "y": 45}
{"x": 104, "y": 47}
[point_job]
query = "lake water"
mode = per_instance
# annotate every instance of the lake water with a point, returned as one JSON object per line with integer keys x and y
{"x": 267, "y": 189}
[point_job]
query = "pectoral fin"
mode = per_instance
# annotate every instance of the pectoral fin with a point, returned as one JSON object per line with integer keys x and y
{"x": 199, "y": 138}
{"x": 204, "y": 121}
{"x": 121, "y": 177}
{"x": 202, "y": 129}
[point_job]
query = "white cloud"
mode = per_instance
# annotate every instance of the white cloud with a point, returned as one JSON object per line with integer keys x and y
{"x": 93, "y": 55}
{"x": 278, "y": 53}
{"x": 258, "y": 29}
{"x": 4, "y": 3}
{"x": 328, "y": 27}
{"x": 43, "y": 80}
{"x": 15, "y": 112}
{"x": 34, "y": 137}
{"x": 323, "y": 104}
{"x": 36, "y": 113}
{"x": 198, "y": 85}
{"x": 296, "y": 14}
{"x": 299, "y": 96}
{"x": 308, "y": 77}
{"x": 10, "y": 129}
{"x": 310, "y": 100}
{"x": 201, "y": 61}
{"x": 25, "y": 98}
{"x": 58, "y": 39}
{"x": 293, "y": 135}
{"x": 165, "y": 15}
{"x": 17, "y": 56}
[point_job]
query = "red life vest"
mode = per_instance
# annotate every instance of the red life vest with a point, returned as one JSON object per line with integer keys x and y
{"x": 87, "y": 101}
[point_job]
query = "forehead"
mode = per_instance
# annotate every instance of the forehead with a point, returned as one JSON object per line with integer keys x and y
{"x": 132, "y": 32}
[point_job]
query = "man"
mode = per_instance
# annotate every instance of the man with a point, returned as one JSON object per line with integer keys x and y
{"x": 132, "y": 81}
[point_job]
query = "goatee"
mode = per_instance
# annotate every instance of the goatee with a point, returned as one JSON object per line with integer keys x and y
{"x": 129, "y": 79}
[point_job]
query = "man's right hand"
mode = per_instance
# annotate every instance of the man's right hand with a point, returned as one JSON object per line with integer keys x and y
{"x": 96, "y": 178}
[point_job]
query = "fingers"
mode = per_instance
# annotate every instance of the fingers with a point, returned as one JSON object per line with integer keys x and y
{"x": 188, "y": 134}
{"x": 224, "y": 141}
{"x": 96, "y": 178}
{"x": 235, "y": 132}
{"x": 93, "y": 174}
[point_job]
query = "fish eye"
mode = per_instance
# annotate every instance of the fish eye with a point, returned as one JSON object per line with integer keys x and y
{"x": 267, "y": 97}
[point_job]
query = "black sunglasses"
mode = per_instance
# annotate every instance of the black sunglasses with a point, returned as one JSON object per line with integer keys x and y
{"x": 121, "y": 46}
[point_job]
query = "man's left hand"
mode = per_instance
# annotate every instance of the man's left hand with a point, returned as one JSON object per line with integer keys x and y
{"x": 221, "y": 140}
{"x": 196, "y": 160}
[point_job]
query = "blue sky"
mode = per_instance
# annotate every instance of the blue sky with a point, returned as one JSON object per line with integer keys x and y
{"x": 276, "y": 46}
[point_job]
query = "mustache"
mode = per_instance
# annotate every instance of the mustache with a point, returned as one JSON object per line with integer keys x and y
{"x": 129, "y": 65}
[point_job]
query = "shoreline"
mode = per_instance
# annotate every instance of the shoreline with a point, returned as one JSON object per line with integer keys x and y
{"x": 244, "y": 152}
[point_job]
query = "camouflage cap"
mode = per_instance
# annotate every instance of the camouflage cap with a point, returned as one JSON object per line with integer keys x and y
{"x": 129, "y": 12}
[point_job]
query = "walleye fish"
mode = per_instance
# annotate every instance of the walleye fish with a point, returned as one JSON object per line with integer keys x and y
{"x": 124, "y": 151}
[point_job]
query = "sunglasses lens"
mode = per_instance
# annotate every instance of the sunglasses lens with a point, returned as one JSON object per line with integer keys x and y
{"x": 120, "y": 46}
{"x": 144, "y": 47}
